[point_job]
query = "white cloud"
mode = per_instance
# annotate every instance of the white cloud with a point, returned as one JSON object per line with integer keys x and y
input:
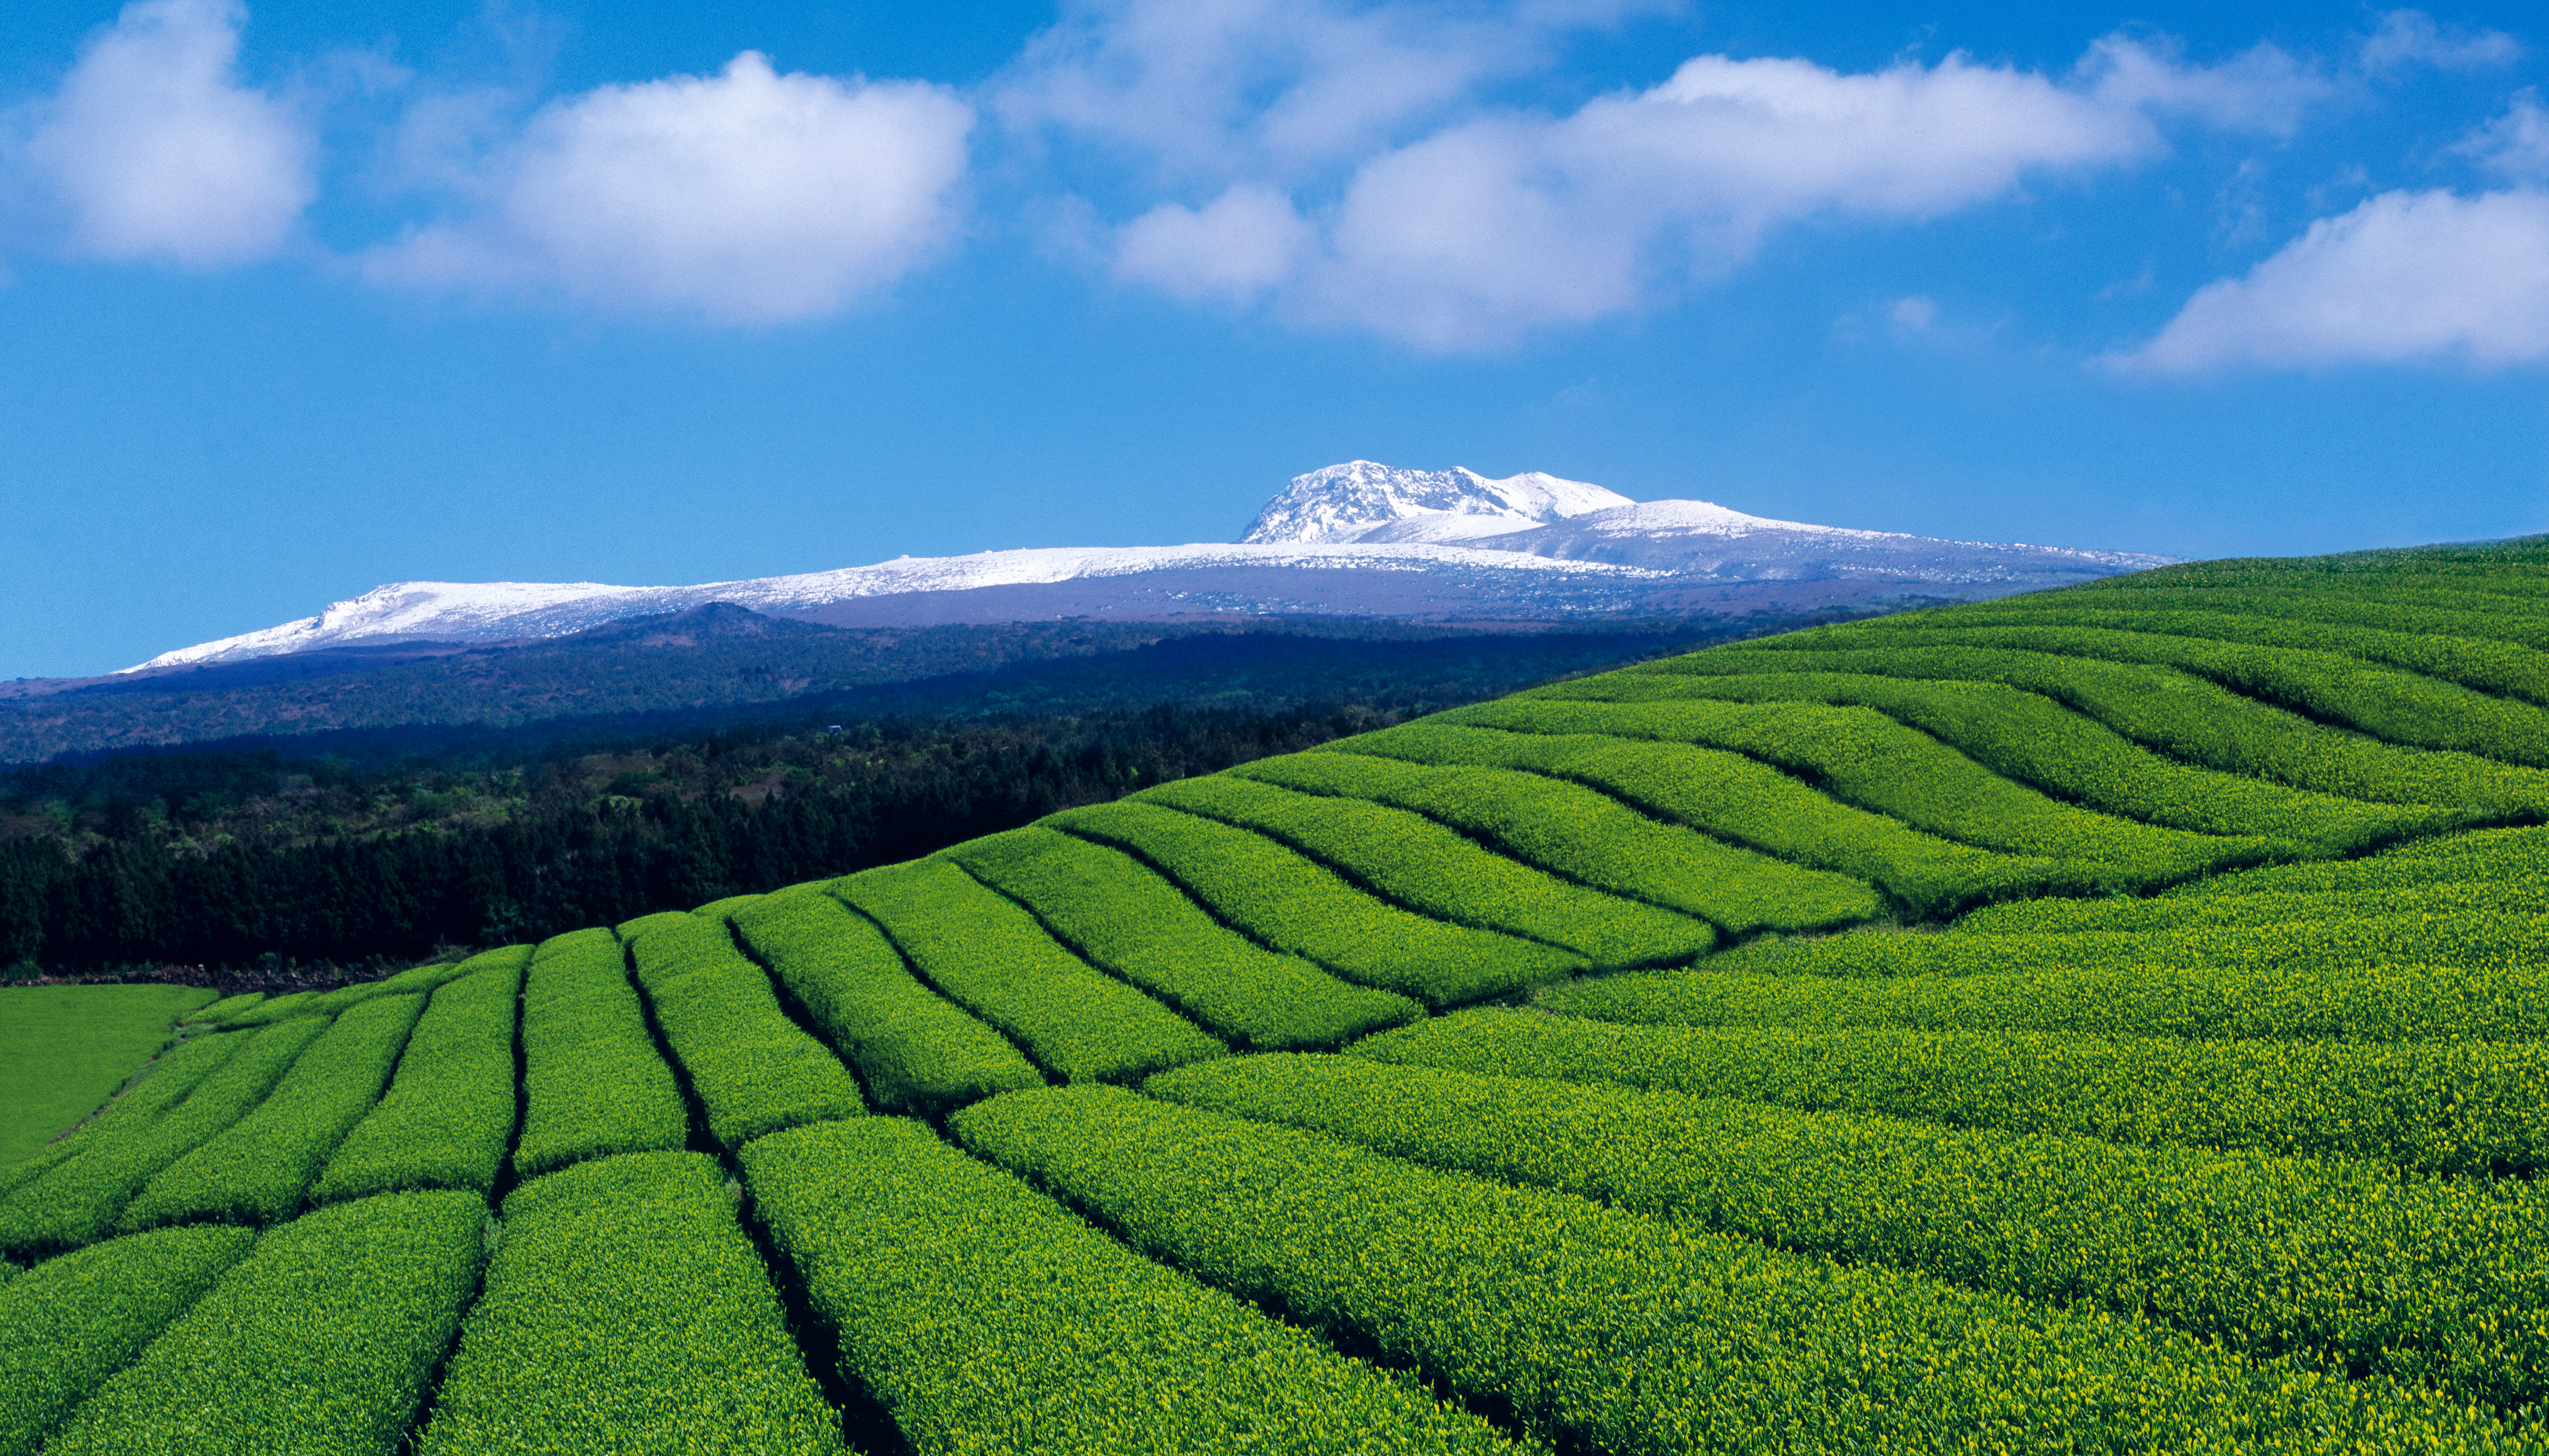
{"x": 2517, "y": 143}
{"x": 1235, "y": 248}
{"x": 2412, "y": 38}
{"x": 152, "y": 149}
{"x": 748, "y": 196}
{"x": 2262, "y": 89}
{"x": 1209, "y": 89}
{"x": 1481, "y": 229}
{"x": 2406, "y": 276}
{"x": 1914, "y": 313}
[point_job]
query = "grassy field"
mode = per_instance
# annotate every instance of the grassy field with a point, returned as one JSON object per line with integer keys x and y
{"x": 68, "y": 1047}
{"x": 2109, "y": 1021}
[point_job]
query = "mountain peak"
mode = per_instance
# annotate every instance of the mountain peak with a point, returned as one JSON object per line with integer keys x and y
{"x": 1364, "y": 500}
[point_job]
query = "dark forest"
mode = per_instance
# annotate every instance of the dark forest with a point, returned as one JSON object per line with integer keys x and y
{"x": 260, "y": 869}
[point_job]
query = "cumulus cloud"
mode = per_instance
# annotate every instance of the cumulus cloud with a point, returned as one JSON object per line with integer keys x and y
{"x": 747, "y": 197}
{"x": 1479, "y": 230}
{"x": 153, "y": 150}
{"x": 2406, "y": 276}
{"x": 1211, "y": 88}
{"x": 2264, "y": 89}
{"x": 2514, "y": 145}
{"x": 1234, "y": 247}
{"x": 2412, "y": 38}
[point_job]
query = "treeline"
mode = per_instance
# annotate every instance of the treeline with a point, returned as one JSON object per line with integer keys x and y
{"x": 129, "y": 864}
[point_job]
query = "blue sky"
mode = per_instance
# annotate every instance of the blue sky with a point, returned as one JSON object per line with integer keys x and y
{"x": 300, "y": 299}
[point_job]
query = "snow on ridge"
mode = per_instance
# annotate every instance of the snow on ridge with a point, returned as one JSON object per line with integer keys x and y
{"x": 1362, "y": 499}
{"x": 399, "y": 610}
{"x": 1705, "y": 518}
{"x": 1360, "y": 514}
{"x": 1042, "y": 565}
{"x": 493, "y": 611}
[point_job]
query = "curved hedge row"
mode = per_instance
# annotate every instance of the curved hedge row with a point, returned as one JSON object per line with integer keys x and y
{"x": 989, "y": 957}
{"x": 2397, "y": 707}
{"x": 1865, "y": 758}
{"x": 2032, "y": 739}
{"x": 753, "y": 1070}
{"x": 984, "y": 1318}
{"x": 1611, "y": 1332}
{"x": 2181, "y": 714}
{"x": 73, "y": 1322}
{"x": 1120, "y": 915}
{"x": 1574, "y": 833}
{"x": 1734, "y": 799}
{"x": 78, "y": 1201}
{"x": 1411, "y": 860}
{"x": 593, "y": 1083}
{"x": 2437, "y": 1107}
{"x": 257, "y": 1169}
{"x": 319, "y": 1342}
{"x": 626, "y": 1309}
{"x": 448, "y": 1114}
{"x": 2347, "y": 1263}
{"x": 1289, "y": 903}
{"x": 916, "y": 1051}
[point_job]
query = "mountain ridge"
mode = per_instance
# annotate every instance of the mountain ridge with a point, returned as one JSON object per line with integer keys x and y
{"x": 1355, "y": 539}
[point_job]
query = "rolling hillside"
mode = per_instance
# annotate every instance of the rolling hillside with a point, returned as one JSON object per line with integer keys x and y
{"x": 2108, "y": 1020}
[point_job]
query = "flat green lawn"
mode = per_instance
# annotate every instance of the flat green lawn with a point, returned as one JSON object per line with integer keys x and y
{"x": 63, "y": 1050}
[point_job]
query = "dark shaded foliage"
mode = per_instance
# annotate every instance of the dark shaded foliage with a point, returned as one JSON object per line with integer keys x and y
{"x": 595, "y": 840}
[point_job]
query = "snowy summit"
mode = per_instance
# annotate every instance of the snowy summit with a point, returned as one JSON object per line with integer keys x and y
{"x": 1363, "y": 500}
{"x": 1360, "y": 539}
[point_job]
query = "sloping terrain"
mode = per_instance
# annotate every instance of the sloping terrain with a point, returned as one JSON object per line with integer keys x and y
{"x": 1360, "y": 540}
{"x": 720, "y": 666}
{"x": 70, "y": 1046}
{"x": 2103, "y": 1021}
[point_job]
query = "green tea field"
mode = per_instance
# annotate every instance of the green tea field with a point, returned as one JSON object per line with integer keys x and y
{"x": 2112, "y": 1020}
{"x": 70, "y": 1046}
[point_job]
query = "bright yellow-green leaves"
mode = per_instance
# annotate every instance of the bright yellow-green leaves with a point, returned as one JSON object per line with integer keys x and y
{"x": 1577, "y": 834}
{"x": 2034, "y": 740}
{"x": 1411, "y": 860}
{"x": 916, "y": 1051}
{"x": 2238, "y": 1160}
{"x": 596, "y": 1084}
{"x": 2178, "y": 714}
{"x": 626, "y": 1310}
{"x": 77, "y": 1202}
{"x": 1625, "y": 1333}
{"x": 987, "y": 1320}
{"x": 2444, "y": 1107}
{"x": 256, "y": 1170}
{"x": 2347, "y": 1263}
{"x": 1124, "y": 917}
{"x": 168, "y": 1078}
{"x": 1734, "y": 798}
{"x": 2387, "y": 704}
{"x": 991, "y": 957}
{"x": 1865, "y": 758}
{"x": 77, "y": 1320}
{"x": 1290, "y": 903}
{"x": 319, "y": 1342}
{"x": 447, "y": 1115}
{"x": 752, "y": 1070}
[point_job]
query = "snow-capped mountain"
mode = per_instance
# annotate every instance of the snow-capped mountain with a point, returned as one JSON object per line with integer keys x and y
{"x": 504, "y": 611}
{"x": 1698, "y": 539}
{"x": 1355, "y": 539}
{"x": 1361, "y": 500}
